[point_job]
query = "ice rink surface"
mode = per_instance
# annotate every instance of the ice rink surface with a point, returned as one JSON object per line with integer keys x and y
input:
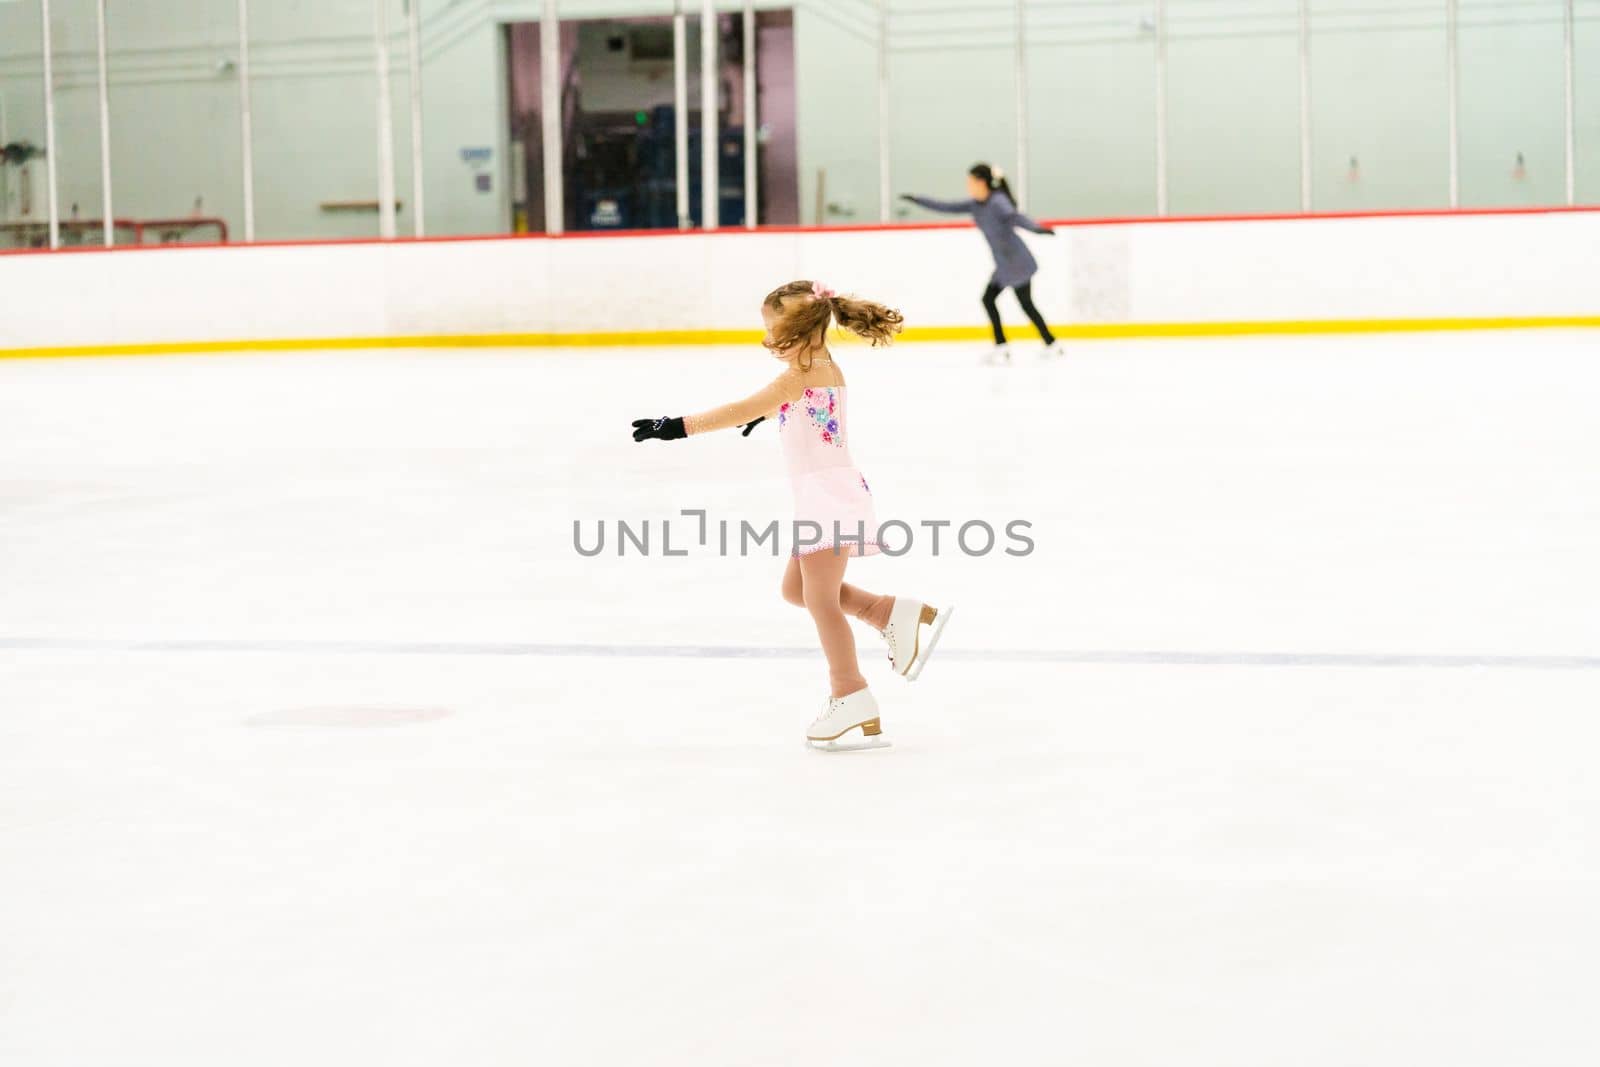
{"x": 320, "y": 743}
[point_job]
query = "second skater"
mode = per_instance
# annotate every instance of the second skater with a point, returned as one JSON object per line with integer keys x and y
{"x": 991, "y": 206}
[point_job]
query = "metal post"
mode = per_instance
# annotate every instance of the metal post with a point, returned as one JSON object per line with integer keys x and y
{"x": 386, "y": 227}
{"x": 710, "y": 179}
{"x": 1305, "y": 106}
{"x": 885, "y": 197}
{"x": 1571, "y": 130}
{"x": 1021, "y": 60}
{"x": 1161, "y": 107}
{"x": 752, "y": 209}
{"x": 50, "y": 130}
{"x": 414, "y": 60}
{"x": 247, "y": 151}
{"x": 550, "y": 108}
{"x": 680, "y": 111}
{"x": 105, "y": 125}
{"x": 1453, "y": 75}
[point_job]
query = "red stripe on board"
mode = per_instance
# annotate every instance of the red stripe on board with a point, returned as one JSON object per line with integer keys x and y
{"x": 739, "y": 231}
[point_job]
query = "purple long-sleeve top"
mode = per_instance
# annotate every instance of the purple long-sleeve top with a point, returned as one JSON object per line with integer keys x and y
{"x": 998, "y": 219}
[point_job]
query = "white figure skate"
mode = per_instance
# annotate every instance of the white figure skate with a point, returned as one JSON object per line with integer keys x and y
{"x": 999, "y": 356}
{"x": 1052, "y": 350}
{"x": 841, "y": 717}
{"x": 909, "y": 646}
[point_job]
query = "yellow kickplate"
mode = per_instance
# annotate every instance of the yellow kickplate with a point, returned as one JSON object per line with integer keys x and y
{"x": 658, "y": 338}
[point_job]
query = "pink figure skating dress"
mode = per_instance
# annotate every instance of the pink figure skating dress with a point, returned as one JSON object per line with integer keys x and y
{"x": 810, "y": 407}
{"x": 828, "y": 489}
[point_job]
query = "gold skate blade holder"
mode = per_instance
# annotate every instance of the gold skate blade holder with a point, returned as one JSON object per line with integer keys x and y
{"x": 871, "y": 738}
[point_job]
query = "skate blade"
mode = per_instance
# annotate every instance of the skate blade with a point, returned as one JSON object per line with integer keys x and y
{"x": 924, "y": 651}
{"x": 849, "y": 744}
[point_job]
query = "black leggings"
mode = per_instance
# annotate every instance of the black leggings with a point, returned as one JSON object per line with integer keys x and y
{"x": 1025, "y": 298}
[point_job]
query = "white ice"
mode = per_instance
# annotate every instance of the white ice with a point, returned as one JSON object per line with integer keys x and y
{"x": 320, "y": 744}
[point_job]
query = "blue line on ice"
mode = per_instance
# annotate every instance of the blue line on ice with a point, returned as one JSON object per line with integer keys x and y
{"x": 1151, "y": 657}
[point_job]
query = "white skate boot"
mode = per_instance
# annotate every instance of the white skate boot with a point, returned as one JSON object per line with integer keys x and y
{"x": 1052, "y": 350}
{"x": 909, "y": 646}
{"x": 842, "y": 715}
{"x": 999, "y": 356}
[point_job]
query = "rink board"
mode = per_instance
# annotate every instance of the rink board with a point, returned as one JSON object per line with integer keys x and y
{"x": 1150, "y": 279}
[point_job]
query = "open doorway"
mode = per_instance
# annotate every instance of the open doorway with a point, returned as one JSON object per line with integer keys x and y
{"x": 618, "y": 118}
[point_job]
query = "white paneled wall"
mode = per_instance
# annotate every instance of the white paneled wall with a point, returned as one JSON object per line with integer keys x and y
{"x": 1440, "y": 267}
{"x": 1378, "y": 84}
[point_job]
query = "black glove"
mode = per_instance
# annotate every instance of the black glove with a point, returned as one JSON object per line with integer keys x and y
{"x": 908, "y": 198}
{"x": 752, "y": 425}
{"x": 663, "y": 429}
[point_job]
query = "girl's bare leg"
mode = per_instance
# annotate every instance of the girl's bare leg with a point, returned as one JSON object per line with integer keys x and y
{"x": 858, "y": 603}
{"x": 822, "y": 577}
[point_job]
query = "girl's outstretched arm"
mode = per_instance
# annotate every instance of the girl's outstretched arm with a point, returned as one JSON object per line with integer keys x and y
{"x": 782, "y": 389}
{"x": 1009, "y": 213}
{"x": 949, "y": 207}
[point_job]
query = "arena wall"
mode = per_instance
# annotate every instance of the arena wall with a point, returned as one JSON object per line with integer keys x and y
{"x": 1182, "y": 278}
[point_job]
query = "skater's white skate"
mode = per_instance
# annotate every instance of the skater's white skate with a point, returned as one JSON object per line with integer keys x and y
{"x": 910, "y": 644}
{"x": 999, "y": 356}
{"x": 835, "y": 729}
{"x": 1052, "y": 350}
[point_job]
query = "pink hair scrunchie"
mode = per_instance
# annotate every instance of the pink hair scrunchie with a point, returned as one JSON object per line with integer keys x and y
{"x": 821, "y": 292}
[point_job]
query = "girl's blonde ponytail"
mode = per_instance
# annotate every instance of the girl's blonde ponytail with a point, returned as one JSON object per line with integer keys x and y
{"x": 804, "y": 314}
{"x": 867, "y": 319}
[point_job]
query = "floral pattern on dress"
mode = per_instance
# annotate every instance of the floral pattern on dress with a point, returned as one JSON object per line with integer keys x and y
{"x": 822, "y": 409}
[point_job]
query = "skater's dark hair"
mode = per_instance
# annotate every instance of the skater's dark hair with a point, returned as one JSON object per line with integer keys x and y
{"x": 805, "y": 310}
{"x": 994, "y": 178}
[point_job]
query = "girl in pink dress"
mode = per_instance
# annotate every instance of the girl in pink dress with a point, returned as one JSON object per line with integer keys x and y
{"x": 834, "y": 517}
